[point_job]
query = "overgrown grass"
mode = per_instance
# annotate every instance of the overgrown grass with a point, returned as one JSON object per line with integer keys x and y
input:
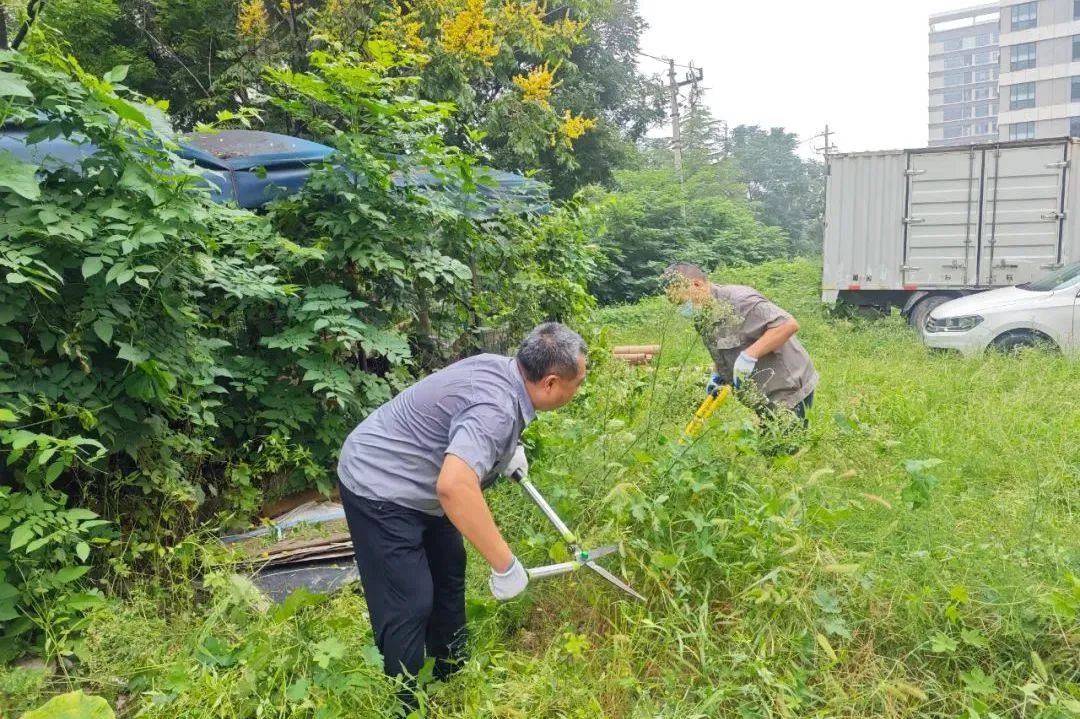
{"x": 853, "y": 579}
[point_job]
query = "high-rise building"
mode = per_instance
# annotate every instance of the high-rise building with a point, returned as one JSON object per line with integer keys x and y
{"x": 964, "y": 67}
{"x": 1040, "y": 69}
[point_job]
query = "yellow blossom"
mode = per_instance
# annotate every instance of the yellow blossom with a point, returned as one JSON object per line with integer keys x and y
{"x": 569, "y": 30}
{"x": 252, "y": 21}
{"x": 471, "y": 33}
{"x": 574, "y": 127}
{"x": 401, "y": 29}
{"x": 536, "y": 87}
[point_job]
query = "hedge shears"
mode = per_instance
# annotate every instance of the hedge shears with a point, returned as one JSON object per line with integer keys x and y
{"x": 581, "y": 557}
{"x": 709, "y": 405}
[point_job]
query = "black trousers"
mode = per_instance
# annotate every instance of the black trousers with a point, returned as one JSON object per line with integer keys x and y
{"x": 412, "y": 568}
{"x": 803, "y": 407}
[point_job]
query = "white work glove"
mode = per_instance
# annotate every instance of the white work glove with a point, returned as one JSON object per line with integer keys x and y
{"x": 509, "y": 584}
{"x": 517, "y": 463}
{"x": 744, "y": 367}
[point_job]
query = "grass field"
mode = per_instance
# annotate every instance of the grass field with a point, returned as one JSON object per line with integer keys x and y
{"x": 920, "y": 556}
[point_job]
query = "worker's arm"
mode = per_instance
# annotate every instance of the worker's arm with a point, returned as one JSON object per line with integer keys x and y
{"x": 773, "y": 339}
{"x": 458, "y": 489}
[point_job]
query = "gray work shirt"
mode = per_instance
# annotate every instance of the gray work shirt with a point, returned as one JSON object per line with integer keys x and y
{"x": 474, "y": 409}
{"x": 786, "y": 376}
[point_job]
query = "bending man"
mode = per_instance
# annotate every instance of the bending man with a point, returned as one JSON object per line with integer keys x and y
{"x": 411, "y": 476}
{"x": 749, "y": 339}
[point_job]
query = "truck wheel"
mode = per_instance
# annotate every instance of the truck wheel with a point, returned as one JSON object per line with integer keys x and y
{"x": 922, "y": 309}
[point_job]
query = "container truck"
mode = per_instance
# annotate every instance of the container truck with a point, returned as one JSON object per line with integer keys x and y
{"x": 915, "y": 228}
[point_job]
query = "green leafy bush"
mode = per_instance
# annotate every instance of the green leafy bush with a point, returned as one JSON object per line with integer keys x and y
{"x": 168, "y": 361}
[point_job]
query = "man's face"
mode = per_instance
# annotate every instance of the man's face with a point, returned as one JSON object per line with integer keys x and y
{"x": 554, "y": 391}
{"x": 682, "y": 289}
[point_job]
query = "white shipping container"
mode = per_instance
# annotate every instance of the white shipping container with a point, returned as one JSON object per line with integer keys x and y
{"x": 914, "y": 228}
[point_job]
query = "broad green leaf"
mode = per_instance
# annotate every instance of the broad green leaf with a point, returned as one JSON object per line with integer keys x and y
{"x": 974, "y": 638}
{"x": 6, "y": 415}
{"x": 942, "y": 643}
{"x": 298, "y": 690}
{"x": 665, "y": 561}
{"x": 82, "y": 549}
{"x": 70, "y": 574}
{"x": 977, "y": 682}
{"x": 18, "y": 176}
{"x": 131, "y": 354}
{"x": 22, "y": 534}
{"x": 73, "y": 705}
{"x": 55, "y": 470}
{"x": 91, "y": 266}
{"x": 328, "y": 650}
{"x": 371, "y": 656}
{"x": 103, "y": 328}
{"x": 117, "y": 74}
{"x": 11, "y": 85}
{"x": 297, "y": 600}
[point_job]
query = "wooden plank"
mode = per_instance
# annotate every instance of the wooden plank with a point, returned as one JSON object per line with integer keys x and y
{"x": 636, "y": 349}
{"x": 278, "y": 507}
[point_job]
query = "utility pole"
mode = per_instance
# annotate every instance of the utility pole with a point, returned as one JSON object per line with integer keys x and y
{"x": 676, "y": 136}
{"x": 695, "y": 76}
{"x": 826, "y": 136}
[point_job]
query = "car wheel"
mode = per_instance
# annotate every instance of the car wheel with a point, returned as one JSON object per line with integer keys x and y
{"x": 1017, "y": 340}
{"x": 922, "y": 309}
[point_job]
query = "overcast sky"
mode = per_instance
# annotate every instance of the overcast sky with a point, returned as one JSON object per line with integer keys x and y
{"x": 859, "y": 65}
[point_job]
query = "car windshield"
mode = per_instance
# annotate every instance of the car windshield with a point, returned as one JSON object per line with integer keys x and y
{"x": 1059, "y": 279}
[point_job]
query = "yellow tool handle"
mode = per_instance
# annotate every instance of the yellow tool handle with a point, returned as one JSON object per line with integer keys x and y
{"x": 705, "y": 410}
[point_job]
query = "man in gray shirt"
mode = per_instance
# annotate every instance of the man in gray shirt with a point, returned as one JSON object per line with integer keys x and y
{"x": 411, "y": 476}
{"x": 749, "y": 339}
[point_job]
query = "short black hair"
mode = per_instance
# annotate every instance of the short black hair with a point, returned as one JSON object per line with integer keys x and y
{"x": 551, "y": 348}
{"x": 688, "y": 270}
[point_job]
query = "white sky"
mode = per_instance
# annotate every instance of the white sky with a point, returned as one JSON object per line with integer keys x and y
{"x": 859, "y": 65}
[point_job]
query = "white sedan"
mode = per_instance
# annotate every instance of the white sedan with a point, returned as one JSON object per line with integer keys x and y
{"x": 1040, "y": 313}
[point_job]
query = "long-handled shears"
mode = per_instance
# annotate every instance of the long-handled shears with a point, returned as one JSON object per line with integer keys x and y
{"x": 581, "y": 557}
{"x": 705, "y": 410}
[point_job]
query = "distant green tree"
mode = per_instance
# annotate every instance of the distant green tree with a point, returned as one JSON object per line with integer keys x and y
{"x": 651, "y": 221}
{"x": 785, "y": 188}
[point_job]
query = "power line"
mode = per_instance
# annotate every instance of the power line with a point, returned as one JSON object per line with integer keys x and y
{"x": 665, "y": 60}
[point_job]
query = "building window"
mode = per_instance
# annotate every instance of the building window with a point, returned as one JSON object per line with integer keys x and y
{"x": 1021, "y": 57}
{"x": 954, "y": 131}
{"x": 954, "y": 61}
{"x": 956, "y": 78}
{"x": 982, "y": 93}
{"x": 1076, "y": 47}
{"x": 1025, "y": 16}
{"x": 1022, "y": 131}
{"x": 1022, "y": 96}
{"x": 1074, "y": 127}
{"x": 951, "y": 45}
{"x": 1076, "y": 9}
{"x": 983, "y": 128}
{"x": 982, "y": 111}
{"x": 956, "y": 113}
{"x": 1074, "y": 93}
{"x": 986, "y": 39}
{"x": 953, "y": 96}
